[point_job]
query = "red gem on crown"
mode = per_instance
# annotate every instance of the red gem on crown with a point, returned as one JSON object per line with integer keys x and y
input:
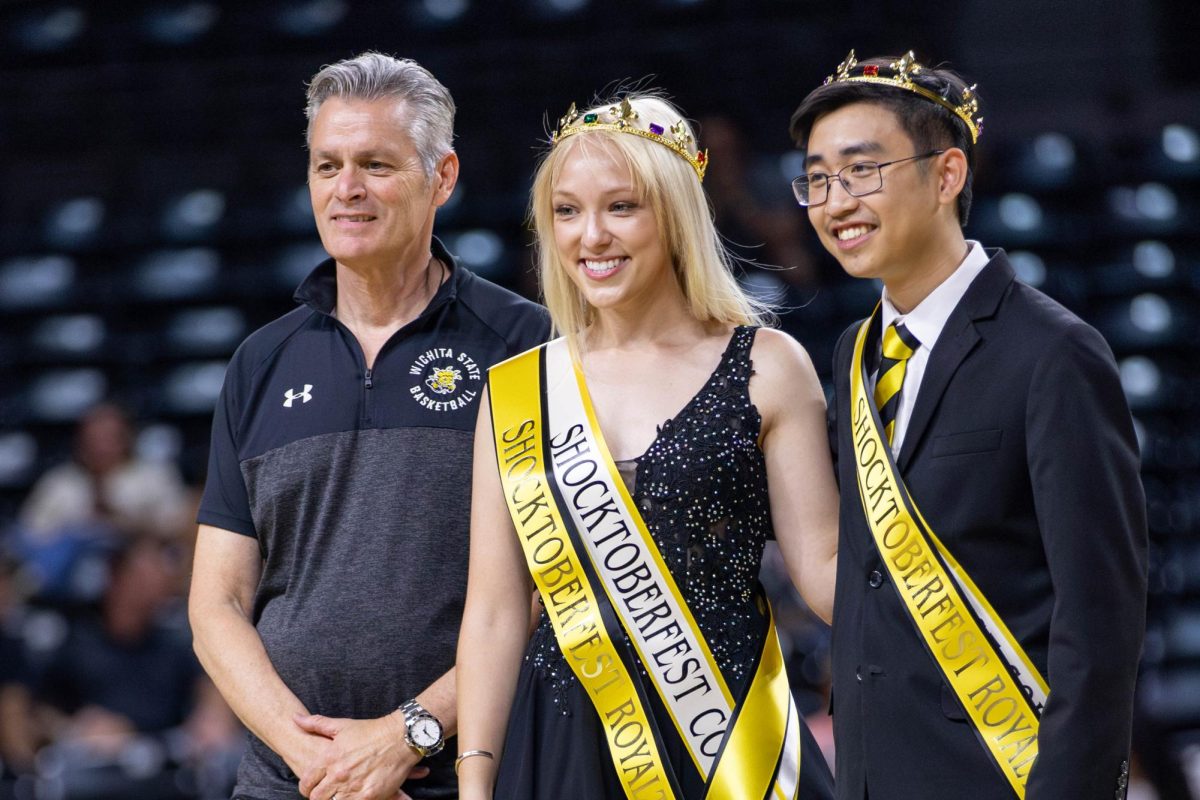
{"x": 700, "y": 158}
{"x": 871, "y": 71}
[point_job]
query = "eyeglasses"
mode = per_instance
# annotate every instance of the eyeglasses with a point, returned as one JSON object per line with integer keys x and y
{"x": 858, "y": 179}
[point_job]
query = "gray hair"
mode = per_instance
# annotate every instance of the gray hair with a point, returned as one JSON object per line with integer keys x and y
{"x": 375, "y": 76}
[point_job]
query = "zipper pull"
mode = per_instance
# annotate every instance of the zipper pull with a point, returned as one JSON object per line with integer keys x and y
{"x": 367, "y": 379}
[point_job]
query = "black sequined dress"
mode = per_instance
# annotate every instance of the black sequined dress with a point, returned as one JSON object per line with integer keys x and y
{"x": 702, "y": 489}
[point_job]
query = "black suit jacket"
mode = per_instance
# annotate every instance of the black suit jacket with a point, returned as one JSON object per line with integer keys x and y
{"x": 1021, "y": 455}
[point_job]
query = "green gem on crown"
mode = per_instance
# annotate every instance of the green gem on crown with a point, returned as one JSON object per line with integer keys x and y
{"x": 589, "y": 119}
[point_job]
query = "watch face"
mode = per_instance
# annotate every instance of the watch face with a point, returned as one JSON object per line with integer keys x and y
{"x": 425, "y": 732}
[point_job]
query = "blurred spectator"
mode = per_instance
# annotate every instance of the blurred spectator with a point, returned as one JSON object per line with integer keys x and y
{"x": 820, "y": 723}
{"x": 127, "y": 701}
{"x": 17, "y": 733}
{"x": 78, "y": 509}
{"x": 805, "y": 641}
{"x": 124, "y": 671}
{"x": 105, "y": 484}
{"x": 1157, "y": 767}
{"x": 755, "y": 214}
{"x": 1142, "y": 788}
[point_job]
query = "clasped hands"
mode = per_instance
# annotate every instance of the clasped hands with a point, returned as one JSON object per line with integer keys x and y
{"x": 356, "y": 759}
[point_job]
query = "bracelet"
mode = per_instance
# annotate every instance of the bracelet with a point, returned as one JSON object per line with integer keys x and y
{"x": 469, "y": 754}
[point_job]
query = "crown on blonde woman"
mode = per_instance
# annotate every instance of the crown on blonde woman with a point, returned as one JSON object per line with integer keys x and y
{"x": 623, "y": 118}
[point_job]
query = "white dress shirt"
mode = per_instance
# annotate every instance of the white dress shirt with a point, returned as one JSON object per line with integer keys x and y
{"x": 926, "y": 322}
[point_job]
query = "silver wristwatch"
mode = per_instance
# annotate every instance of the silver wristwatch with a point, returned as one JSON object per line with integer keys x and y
{"x": 422, "y": 731}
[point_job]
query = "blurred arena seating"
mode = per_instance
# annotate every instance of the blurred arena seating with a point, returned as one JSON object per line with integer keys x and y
{"x": 154, "y": 212}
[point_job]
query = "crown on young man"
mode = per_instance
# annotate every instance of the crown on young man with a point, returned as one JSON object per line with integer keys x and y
{"x": 623, "y": 118}
{"x": 901, "y": 74}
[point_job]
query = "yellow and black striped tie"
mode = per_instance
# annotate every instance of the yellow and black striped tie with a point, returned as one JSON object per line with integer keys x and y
{"x": 898, "y": 346}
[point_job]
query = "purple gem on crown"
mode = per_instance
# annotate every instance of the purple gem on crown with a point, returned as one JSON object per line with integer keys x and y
{"x": 657, "y": 130}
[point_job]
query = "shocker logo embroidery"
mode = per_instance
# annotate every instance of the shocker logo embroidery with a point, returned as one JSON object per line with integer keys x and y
{"x": 443, "y": 380}
{"x": 447, "y": 379}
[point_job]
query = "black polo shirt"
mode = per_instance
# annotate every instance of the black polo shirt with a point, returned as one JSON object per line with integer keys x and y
{"x": 356, "y": 484}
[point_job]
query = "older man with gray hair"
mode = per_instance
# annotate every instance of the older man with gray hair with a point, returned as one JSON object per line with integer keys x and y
{"x": 331, "y": 557}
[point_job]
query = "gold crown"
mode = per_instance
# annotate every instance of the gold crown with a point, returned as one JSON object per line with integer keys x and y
{"x": 902, "y": 72}
{"x": 621, "y": 118}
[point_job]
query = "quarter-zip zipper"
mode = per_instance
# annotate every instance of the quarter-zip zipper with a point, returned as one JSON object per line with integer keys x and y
{"x": 368, "y": 375}
{"x": 368, "y": 395}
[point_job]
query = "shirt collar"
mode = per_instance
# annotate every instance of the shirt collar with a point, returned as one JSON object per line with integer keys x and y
{"x": 319, "y": 290}
{"x": 929, "y": 317}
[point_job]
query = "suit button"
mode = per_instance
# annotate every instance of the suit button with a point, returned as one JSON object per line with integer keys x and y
{"x": 876, "y": 579}
{"x": 858, "y": 674}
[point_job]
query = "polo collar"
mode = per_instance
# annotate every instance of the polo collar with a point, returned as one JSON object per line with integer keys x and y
{"x": 319, "y": 290}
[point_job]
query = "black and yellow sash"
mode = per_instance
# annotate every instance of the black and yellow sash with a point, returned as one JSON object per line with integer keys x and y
{"x": 982, "y": 662}
{"x": 602, "y": 577}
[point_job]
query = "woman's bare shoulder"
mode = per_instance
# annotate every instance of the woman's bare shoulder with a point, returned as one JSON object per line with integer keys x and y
{"x": 781, "y": 352}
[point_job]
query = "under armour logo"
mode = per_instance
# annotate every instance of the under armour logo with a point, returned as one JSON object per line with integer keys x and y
{"x": 292, "y": 394}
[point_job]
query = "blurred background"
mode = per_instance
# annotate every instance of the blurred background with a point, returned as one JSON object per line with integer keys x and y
{"x": 153, "y": 212}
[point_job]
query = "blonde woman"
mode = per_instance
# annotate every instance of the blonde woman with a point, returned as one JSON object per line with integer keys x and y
{"x": 630, "y": 472}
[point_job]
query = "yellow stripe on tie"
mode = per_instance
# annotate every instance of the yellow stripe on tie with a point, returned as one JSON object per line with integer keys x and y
{"x": 889, "y": 384}
{"x": 898, "y": 346}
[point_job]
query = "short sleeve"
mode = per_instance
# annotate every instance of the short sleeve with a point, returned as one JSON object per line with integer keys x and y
{"x": 225, "y": 503}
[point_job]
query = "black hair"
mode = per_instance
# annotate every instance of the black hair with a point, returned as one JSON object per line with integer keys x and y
{"x": 928, "y": 124}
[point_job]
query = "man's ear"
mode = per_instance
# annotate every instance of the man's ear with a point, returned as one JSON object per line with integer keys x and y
{"x": 445, "y": 177}
{"x": 952, "y": 175}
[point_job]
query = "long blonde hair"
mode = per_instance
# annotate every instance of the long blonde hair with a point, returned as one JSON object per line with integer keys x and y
{"x": 669, "y": 185}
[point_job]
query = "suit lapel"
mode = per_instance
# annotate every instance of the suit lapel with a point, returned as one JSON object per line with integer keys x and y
{"x": 958, "y": 338}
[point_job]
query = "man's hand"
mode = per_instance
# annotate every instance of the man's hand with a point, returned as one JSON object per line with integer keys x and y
{"x": 306, "y": 752}
{"x": 363, "y": 759}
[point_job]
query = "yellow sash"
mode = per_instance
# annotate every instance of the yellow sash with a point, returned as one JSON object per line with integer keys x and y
{"x": 602, "y": 577}
{"x": 983, "y": 663}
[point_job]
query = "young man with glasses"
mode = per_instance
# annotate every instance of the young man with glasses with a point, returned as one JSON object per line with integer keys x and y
{"x": 991, "y": 579}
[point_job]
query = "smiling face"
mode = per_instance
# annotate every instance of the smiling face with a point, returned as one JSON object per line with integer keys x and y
{"x": 888, "y": 234}
{"x": 373, "y": 202}
{"x": 606, "y": 235}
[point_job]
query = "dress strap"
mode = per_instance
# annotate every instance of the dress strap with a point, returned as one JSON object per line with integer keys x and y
{"x": 735, "y": 362}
